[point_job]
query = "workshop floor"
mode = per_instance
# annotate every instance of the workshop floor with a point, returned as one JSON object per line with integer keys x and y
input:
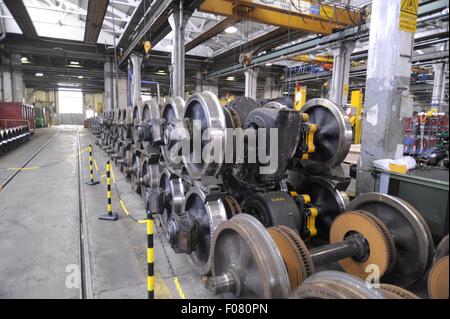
{"x": 40, "y": 229}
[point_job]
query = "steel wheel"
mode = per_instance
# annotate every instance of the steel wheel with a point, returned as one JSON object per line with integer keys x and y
{"x": 172, "y": 113}
{"x": 335, "y": 285}
{"x": 412, "y": 237}
{"x": 243, "y": 247}
{"x": 206, "y": 217}
{"x": 206, "y": 109}
{"x": 333, "y": 137}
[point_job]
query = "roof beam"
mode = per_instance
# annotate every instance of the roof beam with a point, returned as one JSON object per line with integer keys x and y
{"x": 157, "y": 23}
{"x": 94, "y": 20}
{"x": 22, "y": 17}
{"x": 267, "y": 16}
{"x": 211, "y": 33}
{"x": 54, "y": 48}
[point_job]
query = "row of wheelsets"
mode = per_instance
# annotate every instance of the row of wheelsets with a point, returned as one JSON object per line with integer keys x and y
{"x": 259, "y": 226}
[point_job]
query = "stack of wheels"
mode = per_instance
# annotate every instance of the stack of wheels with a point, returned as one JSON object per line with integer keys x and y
{"x": 13, "y": 137}
{"x": 258, "y": 251}
{"x": 382, "y": 238}
{"x": 340, "y": 285}
{"x": 438, "y": 276}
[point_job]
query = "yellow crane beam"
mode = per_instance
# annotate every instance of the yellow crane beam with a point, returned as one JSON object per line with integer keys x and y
{"x": 308, "y": 9}
{"x": 309, "y": 58}
{"x": 267, "y": 16}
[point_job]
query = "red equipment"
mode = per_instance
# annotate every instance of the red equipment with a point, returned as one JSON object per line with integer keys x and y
{"x": 13, "y": 114}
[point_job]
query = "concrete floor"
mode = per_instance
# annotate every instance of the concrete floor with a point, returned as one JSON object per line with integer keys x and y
{"x": 40, "y": 230}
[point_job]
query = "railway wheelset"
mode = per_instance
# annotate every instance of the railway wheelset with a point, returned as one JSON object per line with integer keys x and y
{"x": 260, "y": 226}
{"x": 13, "y": 137}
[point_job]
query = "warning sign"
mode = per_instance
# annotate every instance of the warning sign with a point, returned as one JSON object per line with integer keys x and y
{"x": 410, "y": 6}
{"x": 408, "y": 15}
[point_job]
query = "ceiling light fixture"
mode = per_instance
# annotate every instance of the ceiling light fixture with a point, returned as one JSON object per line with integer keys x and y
{"x": 231, "y": 78}
{"x": 231, "y": 29}
{"x": 75, "y": 63}
{"x": 39, "y": 74}
{"x": 80, "y": 77}
{"x": 269, "y": 64}
{"x": 24, "y": 60}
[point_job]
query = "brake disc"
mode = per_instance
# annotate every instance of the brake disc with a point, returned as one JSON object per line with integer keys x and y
{"x": 412, "y": 237}
{"x": 335, "y": 285}
{"x": 330, "y": 201}
{"x": 243, "y": 246}
{"x": 395, "y": 292}
{"x": 205, "y": 109}
{"x": 438, "y": 279}
{"x": 381, "y": 244}
{"x": 333, "y": 137}
{"x": 205, "y": 216}
{"x": 231, "y": 205}
{"x": 297, "y": 259}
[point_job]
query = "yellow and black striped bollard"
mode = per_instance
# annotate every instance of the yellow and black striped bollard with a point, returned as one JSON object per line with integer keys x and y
{"x": 91, "y": 182}
{"x": 150, "y": 257}
{"x": 109, "y": 215}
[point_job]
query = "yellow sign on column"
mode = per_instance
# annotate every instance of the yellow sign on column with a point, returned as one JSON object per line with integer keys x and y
{"x": 408, "y": 15}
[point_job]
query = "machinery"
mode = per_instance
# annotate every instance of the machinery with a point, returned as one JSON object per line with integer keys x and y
{"x": 261, "y": 183}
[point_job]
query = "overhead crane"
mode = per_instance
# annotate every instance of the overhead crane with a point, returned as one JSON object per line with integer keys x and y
{"x": 308, "y": 16}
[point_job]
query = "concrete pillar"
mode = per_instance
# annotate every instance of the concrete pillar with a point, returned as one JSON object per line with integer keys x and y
{"x": 17, "y": 84}
{"x": 109, "y": 86}
{"x": 341, "y": 72}
{"x": 178, "y": 22}
{"x": 136, "y": 61}
{"x": 251, "y": 82}
{"x": 387, "y": 90}
{"x": 438, "y": 86}
{"x": 122, "y": 87}
{"x": 7, "y": 95}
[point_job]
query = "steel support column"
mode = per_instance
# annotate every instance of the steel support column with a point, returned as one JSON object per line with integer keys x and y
{"x": 341, "y": 72}
{"x": 251, "y": 82}
{"x": 178, "y": 23}
{"x": 387, "y": 90}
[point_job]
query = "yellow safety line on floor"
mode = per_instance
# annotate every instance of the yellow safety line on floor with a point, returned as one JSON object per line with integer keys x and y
{"x": 44, "y": 165}
{"x": 21, "y": 169}
{"x": 96, "y": 166}
{"x": 144, "y": 221}
{"x": 178, "y": 286}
